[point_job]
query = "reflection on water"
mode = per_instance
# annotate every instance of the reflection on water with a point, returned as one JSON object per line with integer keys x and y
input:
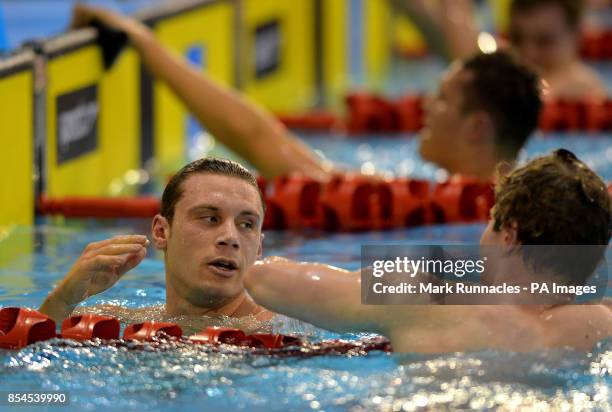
{"x": 175, "y": 376}
{"x": 193, "y": 324}
{"x": 189, "y": 324}
{"x": 172, "y": 376}
{"x": 397, "y": 155}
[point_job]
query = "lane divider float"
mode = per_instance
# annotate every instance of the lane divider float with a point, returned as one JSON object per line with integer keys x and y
{"x": 370, "y": 113}
{"x": 20, "y": 327}
{"x": 345, "y": 203}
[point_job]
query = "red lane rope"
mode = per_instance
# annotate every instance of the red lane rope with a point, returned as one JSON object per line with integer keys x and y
{"x": 75, "y": 206}
{"x": 20, "y": 327}
{"x": 346, "y": 203}
{"x": 596, "y": 45}
{"x": 369, "y": 113}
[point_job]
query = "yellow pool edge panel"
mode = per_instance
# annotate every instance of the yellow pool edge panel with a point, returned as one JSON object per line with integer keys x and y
{"x": 278, "y": 68}
{"x": 17, "y": 154}
{"x": 112, "y": 96}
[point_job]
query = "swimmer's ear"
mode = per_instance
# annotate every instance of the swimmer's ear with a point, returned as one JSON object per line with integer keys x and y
{"x": 160, "y": 230}
{"x": 503, "y": 169}
{"x": 480, "y": 125}
{"x": 511, "y": 235}
{"x": 260, "y": 247}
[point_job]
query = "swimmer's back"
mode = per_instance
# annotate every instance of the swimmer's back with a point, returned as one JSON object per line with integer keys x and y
{"x": 512, "y": 328}
{"x": 580, "y": 326}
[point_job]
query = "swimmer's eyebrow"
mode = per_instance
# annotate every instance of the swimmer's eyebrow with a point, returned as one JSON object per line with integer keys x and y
{"x": 210, "y": 208}
{"x": 203, "y": 208}
{"x": 250, "y": 213}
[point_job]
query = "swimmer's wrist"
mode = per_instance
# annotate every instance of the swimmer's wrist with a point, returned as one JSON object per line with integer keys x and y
{"x": 138, "y": 33}
{"x": 58, "y": 295}
{"x": 56, "y": 308}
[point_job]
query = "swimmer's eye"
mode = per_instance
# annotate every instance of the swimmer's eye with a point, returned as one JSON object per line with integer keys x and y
{"x": 210, "y": 219}
{"x": 246, "y": 225}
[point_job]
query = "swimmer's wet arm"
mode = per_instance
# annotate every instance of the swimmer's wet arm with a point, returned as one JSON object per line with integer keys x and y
{"x": 98, "y": 268}
{"x": 448, "y": 26}
{"x": 325, "y": 296}
{"x": 426, "y": 17}
{"x": 238, "y": 123}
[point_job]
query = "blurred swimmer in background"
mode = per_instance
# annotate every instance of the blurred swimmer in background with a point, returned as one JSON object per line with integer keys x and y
{"x": 485, "y": 109}
{"x": 545, "y": 33}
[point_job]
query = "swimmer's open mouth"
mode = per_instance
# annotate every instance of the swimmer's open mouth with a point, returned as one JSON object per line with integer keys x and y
{"x": 224, "y": 264}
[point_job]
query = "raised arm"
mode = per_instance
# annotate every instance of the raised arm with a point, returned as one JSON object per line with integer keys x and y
{"x": 236, "y": 122}
{"x": 449, "y": 26}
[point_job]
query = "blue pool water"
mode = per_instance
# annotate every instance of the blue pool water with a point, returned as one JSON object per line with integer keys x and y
{"x": 397, "y": 155}
{"x": 180, "y": 375}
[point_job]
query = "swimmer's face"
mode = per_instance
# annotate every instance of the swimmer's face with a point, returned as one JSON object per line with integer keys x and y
{"x": 542, "y": 36}
{"x": 215, "y": 236}
{"x": 446, "y": 126}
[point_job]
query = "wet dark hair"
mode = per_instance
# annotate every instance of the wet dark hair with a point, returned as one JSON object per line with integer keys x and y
{"x": 509, "y": 91}
{"x": 556, "y": 200}
{"x": 211, "y": 165}
{"x": 572, "y": 9}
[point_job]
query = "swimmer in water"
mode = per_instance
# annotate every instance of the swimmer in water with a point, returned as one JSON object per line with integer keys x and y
{"x": 483, "y": 112}
{"x": 468, "y": 128}
{"x": 209, "y": 229}
{"x": 545, "y": 33}
{"x": 553, "y": 200}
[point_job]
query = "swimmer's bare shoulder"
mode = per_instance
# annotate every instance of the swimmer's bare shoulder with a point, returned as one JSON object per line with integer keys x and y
{"x": 607, "y": 302}
{"x": 576, "y": 81}
{"x": 579, "y": 326}
{"x": 475, "y": 327}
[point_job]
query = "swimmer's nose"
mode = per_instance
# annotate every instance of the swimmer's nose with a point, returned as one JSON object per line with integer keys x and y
{"x": 530, "y": 52}
{"x": 228, "y": 236}
{"x": 428, "y": 101}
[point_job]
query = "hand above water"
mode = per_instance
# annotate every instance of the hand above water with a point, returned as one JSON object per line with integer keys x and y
{"x": 85, "y": 15}
{"x": 98, "y": 268}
